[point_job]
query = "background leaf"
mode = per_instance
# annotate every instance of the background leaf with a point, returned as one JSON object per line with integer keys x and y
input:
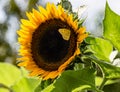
{"x": 112, "y": 27}
{"x": 26, "y": 85}
{"x": 6, "y": 70}
{"x": 100, "y": 47}
{"x": 98, "y": 81}
{"x": 72, "y": 81}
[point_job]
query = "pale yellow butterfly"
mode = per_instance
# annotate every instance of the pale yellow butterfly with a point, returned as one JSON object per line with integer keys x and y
{"x": 65, "y": 33}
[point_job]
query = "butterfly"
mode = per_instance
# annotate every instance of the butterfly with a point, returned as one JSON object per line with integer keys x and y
{"x": 65, "y": 33}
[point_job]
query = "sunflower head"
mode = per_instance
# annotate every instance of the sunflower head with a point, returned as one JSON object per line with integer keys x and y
{"x": 49, "y": 41}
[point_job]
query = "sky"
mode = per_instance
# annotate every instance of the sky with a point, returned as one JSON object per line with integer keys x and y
{"x": 94, "y": 14}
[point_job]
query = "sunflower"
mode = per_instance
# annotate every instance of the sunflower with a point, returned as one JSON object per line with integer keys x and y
{"x": 49, "y": 41}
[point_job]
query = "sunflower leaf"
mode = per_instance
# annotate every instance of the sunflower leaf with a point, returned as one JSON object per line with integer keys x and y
{"x": 26, "y": 85}
{"x": 72, "y": 81}
{"x": 112, "y": 27}
{"x": 11, "y": 71}
{"x": 98, "y": 81}
{"x": 100, "y": 47}
{"x": 9, "y": 74}
{"x": 110, "y": 71}
{"x": 42, "y": 85}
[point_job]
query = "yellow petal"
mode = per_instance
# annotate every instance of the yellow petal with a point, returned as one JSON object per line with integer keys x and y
{"x": 22, "y": 63}
{"x": 43, "y": 11}
{"x": 28, "y": 24}
{"x": 54, "y": 11}
{"x": 48, "y": 8}
{"x": 60, "y": 10}
{"x": 81, "y": 30}
{"x": 52, "y": 74}
{"x": 37, "y": 15}
{"x": 31, "y": 18}
{"x": 81, "y": 37}
{"x": 37, "y": 72}
{"x": 45, "y": 74}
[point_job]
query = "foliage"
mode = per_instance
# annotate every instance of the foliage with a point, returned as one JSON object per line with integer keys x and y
{"x": 75, "y": 82}
{"x": 91, "y": 71}
{"x": 100, "y": 47}
{"x": 112, "y": 32}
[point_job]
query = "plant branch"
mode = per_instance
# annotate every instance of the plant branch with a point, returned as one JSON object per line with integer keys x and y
{"x": 6, "y": 87}
{"x": 104, "y": 78}
{"x": 103, "y": 83}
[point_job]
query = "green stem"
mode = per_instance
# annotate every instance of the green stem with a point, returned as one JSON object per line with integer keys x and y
{"x": 61, "y": 3}
{"x": 104, "y": 78}
{"x": 103, "y": 83}
{"x": 4, "y": 86}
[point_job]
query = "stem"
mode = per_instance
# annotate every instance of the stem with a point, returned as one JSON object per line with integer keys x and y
{"x": 103, "y": 83}
{"x": 61, "y": 1}
{"x": 4, "y": 86}
{"x": 104, "y": 78}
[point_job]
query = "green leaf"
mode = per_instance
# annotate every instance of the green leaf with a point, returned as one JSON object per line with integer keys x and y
{"x": 112, "y": 27}
{"x": 49, "y": 89}
{"x": 110, "y": 71}
{"x": 42, "y": 85}
{"x": 100, "y": 47}
{"x": 26, "y": 85}
{"x": 4, "y": 90}
{"x": 98, "y": 81}
{"x": 9, "y": 74}
{"x": 72, "y": 81}
{"x": 24, "y": 72}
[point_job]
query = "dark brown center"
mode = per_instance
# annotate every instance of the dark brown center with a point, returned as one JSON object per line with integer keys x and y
{"x": 49, "y": 49}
